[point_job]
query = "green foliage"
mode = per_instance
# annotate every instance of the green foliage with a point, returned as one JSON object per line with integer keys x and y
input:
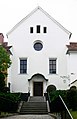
{"x": 14, "y": 97}
{"x": 51, "y": 88}
{"x": 2, "y": 82}
{"x": 72, "y": 99}
{"x": 73, "y": 88}
{"x": 9, "y": 102}
{"x": 69, "y": 97}
{"x": 55, "y": 94}
{"x": 74, "y": 114}
{"x": 5, "y": 61}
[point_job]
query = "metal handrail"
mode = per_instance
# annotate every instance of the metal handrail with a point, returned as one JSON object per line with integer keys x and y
{"x": 66, "y": 107}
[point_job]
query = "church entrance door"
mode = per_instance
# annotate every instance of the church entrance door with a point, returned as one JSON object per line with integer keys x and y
{"x": 38, "y": 88}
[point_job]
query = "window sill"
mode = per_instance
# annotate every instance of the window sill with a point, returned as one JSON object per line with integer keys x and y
{"x": 52, "y": 74}
{"x": 23, "y": 74}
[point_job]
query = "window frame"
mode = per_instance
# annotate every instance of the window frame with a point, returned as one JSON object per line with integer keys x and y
{"x": 38, "y": 43}
{"x": 24, "y": 66}
{"x": 53, "y": 66}
{"x": 38, "y": 46}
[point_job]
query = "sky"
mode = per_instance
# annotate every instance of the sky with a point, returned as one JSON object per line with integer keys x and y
{"x": 63, "y": 11}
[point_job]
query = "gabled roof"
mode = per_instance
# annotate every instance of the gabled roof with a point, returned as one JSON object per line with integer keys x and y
{"x": 39, "y": 8}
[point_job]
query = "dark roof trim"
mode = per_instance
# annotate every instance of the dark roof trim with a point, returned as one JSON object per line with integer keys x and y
{"x": 74, "y": 81}
{"x": 37, "y": 75}
{"x": 71, "y": 51}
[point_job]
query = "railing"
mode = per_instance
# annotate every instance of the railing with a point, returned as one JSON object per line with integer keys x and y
{"x": 59, "y": 107}
{"x": 65, "y": 114}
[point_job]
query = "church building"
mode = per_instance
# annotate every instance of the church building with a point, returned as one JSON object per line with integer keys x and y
{"x": 42, "y": 55}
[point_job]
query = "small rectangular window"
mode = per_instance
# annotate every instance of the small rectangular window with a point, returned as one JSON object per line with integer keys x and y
{"x": 45, "y": 30}
{"x": 23, "y": 66}
{"x": 52, "y": 66}
{"x": 38, "y": 28}
{"x": 31, "y": 29}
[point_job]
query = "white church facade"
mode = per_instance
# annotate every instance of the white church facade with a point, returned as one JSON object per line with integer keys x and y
{"x": 41, "y": 55}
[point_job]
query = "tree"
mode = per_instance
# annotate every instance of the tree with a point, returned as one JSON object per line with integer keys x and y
{"x": 2, "y": 82}
{"x": 5, "y": 63}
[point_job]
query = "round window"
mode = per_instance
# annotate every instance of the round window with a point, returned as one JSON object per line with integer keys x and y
{"x": 38, "y": 46}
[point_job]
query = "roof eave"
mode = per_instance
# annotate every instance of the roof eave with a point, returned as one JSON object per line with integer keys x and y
{"x": 71, "y": 51}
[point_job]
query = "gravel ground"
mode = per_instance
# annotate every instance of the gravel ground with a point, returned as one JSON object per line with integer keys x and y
{"x": 29, "y": 117}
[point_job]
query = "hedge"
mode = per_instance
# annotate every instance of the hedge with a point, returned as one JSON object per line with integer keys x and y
{"x": 69, "y": 97}
{"x": 9, "y": 102}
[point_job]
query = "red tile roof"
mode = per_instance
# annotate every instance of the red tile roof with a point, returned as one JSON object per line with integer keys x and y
{"x": 72, "y": 47}
{"x": 5, "y": 44}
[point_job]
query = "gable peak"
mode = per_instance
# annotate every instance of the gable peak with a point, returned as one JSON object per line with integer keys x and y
{"x": 44, "y": 12}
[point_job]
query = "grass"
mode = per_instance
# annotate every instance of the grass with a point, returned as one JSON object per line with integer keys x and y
{"x": 5, "y": 114}
{"x": 74, "y": 114}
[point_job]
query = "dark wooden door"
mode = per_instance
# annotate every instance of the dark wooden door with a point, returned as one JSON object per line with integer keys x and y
{"x": 38, "y": 89}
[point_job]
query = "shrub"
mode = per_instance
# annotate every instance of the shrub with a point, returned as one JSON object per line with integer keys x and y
{"x": 73, "y": 88}
{"x": 9, "y": 102}
{"x": 55, "y": 94}
{"x": 72, "y": 99}
{"x": 69, "y": 97}
{"x": 51, "y": 88}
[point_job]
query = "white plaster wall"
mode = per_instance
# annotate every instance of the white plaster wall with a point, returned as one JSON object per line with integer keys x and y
{"x": 54, "y": 46}
{"x": 73, "y": 66}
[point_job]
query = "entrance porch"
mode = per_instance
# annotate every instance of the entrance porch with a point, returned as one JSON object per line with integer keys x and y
{"x": 37, "y": 85}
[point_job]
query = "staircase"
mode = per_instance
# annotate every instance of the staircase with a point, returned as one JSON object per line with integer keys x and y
{"x": 35, "y": 105}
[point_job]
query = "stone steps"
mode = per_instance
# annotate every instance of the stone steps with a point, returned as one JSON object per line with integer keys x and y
{"x": 37, "y": 99}
{"x": 35, "y": 105}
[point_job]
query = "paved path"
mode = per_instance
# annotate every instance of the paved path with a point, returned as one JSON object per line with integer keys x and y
{"x": 29, "y": 117}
